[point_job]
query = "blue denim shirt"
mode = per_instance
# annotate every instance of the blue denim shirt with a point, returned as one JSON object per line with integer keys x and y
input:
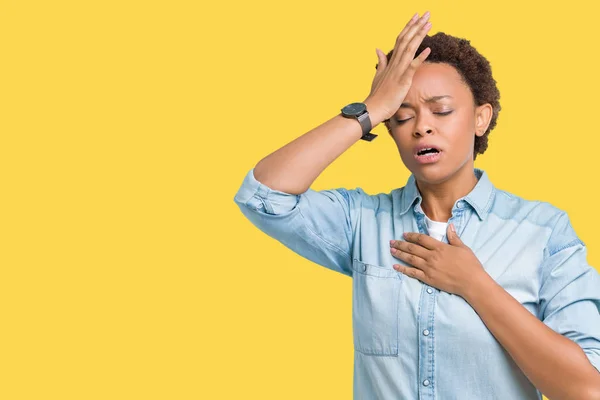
{"x": 411, "y": 340}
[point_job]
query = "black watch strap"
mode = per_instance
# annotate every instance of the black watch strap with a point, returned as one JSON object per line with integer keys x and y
{"x": 365, "y": 123}
{"x": 368, "y": 136}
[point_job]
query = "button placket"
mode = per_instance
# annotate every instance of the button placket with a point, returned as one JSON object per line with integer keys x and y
{"x": 426, "y": 344}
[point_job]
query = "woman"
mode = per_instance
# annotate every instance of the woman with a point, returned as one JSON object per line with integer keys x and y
{"x": 460, "y": 290}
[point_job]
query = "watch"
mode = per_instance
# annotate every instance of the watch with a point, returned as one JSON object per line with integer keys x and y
{"x": 360, "y": 113}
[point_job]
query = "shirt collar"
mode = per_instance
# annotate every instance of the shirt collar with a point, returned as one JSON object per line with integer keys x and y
{"x": 480, "y": 197}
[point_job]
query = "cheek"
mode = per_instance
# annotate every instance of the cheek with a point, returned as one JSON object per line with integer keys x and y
{"x": 460, "y": 131}
{"x": 404, "y": 147}
{"x": 460, "y": 123}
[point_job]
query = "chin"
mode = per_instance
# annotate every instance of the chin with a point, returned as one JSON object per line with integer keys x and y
{"x": 430, "y": 173}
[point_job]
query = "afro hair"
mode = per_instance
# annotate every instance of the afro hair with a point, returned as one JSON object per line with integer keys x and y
{"x": 474, "y": 69}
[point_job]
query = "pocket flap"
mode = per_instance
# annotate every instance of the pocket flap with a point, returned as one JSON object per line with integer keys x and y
{"x": 364, "y": 268}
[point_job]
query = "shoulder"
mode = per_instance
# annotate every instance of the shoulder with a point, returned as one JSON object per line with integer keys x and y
{"x": 553, "y": 220}
{"x": 508, "y": 205}
{"x": 359, "y": 196}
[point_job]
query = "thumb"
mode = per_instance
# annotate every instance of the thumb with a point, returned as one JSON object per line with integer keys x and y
{"x": 453, "y": 236}
{"x": 382, "y": 60}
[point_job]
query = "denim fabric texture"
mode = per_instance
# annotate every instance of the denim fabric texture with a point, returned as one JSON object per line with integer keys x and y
{"x": 411, "y": 340}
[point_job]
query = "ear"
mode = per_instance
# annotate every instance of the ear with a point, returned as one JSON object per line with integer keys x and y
{"x": 483, "y": 117}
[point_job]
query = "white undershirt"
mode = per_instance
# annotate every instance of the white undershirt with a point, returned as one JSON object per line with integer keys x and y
{"x": 436, "y": 229}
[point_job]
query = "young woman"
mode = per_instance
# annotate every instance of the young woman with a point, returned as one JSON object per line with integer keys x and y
{"x": 460, "y": 290}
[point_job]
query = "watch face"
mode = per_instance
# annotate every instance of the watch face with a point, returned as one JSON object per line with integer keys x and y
{"x": 354, "y": 109}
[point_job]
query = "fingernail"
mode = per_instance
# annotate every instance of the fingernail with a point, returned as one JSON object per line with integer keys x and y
{"x": 426, "y": 15}
{"x": 414, "y": 18}
{"x": 392, "y": 242}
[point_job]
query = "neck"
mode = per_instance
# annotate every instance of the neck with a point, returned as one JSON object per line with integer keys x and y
{"x": 439, "y": 198}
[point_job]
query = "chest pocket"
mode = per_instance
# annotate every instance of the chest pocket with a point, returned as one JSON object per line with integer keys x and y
{"x": 375, "y": 296}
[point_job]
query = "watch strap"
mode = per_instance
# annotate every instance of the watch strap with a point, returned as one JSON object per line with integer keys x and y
{"x": 365, "y": 123}
{"x": 368, "y": 136}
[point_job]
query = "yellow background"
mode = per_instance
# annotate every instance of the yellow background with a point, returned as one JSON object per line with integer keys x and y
{"x": 128, "y": 272}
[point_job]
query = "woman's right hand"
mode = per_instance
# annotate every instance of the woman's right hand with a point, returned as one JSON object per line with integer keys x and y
{"x": 392, "y": 82}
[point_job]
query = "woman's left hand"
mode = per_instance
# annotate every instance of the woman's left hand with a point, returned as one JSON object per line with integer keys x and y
{"x": 453, "y": 267}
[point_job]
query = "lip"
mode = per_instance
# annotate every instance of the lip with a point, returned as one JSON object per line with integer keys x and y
{"x": 425, "y": 146}
{"x": 429, "y": 158}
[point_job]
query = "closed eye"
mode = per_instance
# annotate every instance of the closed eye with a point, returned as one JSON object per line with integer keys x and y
{"x": 401, "y": 121}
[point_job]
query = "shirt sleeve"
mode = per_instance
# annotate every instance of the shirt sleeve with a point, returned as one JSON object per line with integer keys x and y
{"x": 570, "y": 290}
{"x": 318, "y": 225}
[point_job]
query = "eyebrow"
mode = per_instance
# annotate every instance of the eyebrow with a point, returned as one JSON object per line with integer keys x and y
{"x": 429, "y": 100}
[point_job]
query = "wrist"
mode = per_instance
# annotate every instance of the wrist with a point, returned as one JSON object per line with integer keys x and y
{"x": 376, "y": 113}
{"x": 479, "y": 285}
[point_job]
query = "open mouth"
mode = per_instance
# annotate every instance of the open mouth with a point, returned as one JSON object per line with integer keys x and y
{"x": 427, "y": 156}
{"x": 427, "y": 151}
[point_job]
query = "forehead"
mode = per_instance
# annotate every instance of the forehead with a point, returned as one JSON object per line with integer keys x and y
{"x": 434, "y": 79}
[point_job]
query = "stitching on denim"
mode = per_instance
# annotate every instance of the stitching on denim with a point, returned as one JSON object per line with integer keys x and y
{"x": 564, "y": 246}
{"x": 492, "y": 194}
{"x": 545, "y": 258}
{"x": 434, "y": 300}
{"x": 267, "y": 205}
{"x": 574, "y": 242}
{"x": 421, "y": 300}
{"x": 254, "y": 195}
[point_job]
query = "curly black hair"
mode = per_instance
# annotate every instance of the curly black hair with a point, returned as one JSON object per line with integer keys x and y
{"x": 474, "y": 69}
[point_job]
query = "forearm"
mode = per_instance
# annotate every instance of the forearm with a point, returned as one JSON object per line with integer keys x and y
{"x": 294, "y": 167}
{"x": 554, "y": 364}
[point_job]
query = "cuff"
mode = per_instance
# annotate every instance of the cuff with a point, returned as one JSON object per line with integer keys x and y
{"x": 275, "y": 201}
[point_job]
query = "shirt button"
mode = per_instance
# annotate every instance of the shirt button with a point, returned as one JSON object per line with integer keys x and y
{"x": 364, "y": 267}
{"x": 426, "y": 332}
{"x": 426, "y": 382}
{"x": 429, "y": 290}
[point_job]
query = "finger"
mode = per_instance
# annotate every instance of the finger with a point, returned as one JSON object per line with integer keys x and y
{"x": 423, "y": 240}
{"x": 405, "y": 44}
{"x": 412, "y": 272}
{"x": 415, "y": 18}
{"x": 409, "y": 30}
{"x": 453, "y": 236}
{"x": 421, "y": 58}
{"x": 414, "y": 64}
{"x": 410, "y": 248}
{"x": 408, "y": 25}
{"x": 407, "y": 52}
{"x": 411, "y": 259}
{"x": 382, "y": 61}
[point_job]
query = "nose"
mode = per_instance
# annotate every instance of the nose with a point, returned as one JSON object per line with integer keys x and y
{"x": 422, "y": 127}
{"x": 427, "y": 131}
